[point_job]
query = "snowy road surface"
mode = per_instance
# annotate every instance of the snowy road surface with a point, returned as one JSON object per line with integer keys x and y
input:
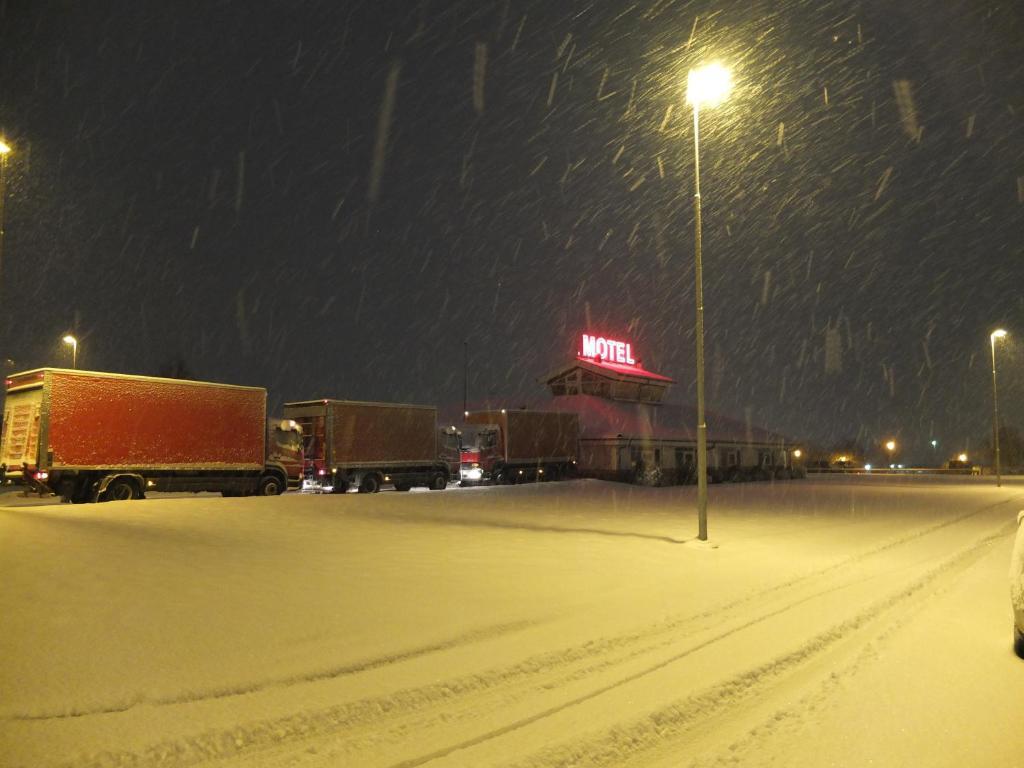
{"x": 838, "y": 621}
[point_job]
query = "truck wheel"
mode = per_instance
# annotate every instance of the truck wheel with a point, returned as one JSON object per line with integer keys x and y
{"x": 340, "y": 486}
{"x": 501, "y": 477}
{"x": 438, "y": 482}
{"x": 270, "y": 485}
{"x": 121, "y": 489}
{"x": 370, "y": 484}
{"x": 402, "y": 487}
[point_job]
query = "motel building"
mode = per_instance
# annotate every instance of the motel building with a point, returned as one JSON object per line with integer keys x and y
{"x": 628, "y": 432}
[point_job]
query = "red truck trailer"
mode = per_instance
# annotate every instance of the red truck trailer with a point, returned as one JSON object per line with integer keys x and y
{"x": 513, "y": 446}
{"x": 366, "y": 445}
{"x": 93, "y": 436}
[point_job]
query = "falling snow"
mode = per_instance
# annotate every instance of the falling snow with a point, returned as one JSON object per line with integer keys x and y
{"x": 329, "y": 202}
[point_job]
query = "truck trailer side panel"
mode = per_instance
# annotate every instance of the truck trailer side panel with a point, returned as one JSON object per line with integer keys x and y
{"x": 111, "y": 421}
{"x": 369, "y": 433}
{"x": 541, "y": 434}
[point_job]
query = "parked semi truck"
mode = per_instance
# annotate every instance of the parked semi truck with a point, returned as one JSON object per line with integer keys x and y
{"x": 92, "y": 436}
{"x": 351, "y": 444}
{"x": 513, "y": 446}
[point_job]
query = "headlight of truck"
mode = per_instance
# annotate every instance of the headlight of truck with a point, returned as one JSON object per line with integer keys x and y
{"x": 474, "y": 473}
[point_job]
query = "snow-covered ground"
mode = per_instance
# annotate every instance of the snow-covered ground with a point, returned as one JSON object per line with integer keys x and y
{"x": 838, "y": 621}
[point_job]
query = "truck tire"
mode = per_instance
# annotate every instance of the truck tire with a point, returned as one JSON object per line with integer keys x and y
{"x": 402, "y": 487}
{"x": 370, "y": 484}
{"x": 270, "y": 485}
{"x": 121, "y": 489}
{"x": 438, "y": 482}
{"x": 340, "y": 486}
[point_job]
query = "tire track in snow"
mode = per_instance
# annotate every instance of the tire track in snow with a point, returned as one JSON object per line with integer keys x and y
{"x": 795, "y": 715}
{"x": 715, "y": 612}
{"x": 374, "y": 714}
{"x": 652, "y": 731}
{"x": 485, "y": 633}
{"x": 668, "y": 626}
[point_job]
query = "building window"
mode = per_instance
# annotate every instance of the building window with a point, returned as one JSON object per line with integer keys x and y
{"x": 684, "y": 457}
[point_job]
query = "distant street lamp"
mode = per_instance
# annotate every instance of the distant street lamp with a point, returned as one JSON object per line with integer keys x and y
{"x": 705, "y": 86}
{"x": 890, "y": 446}
{"x": 5, "y": 150}
{"x": 69, "y": 339}
{"x": 999, "y": 334}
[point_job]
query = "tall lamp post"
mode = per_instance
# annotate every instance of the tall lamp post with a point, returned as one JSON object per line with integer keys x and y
{"x": 69, "y": 339}
{"x": 706, "y": 86}
{"x": 5, "y": 150}
{"x": 999, "y": 334}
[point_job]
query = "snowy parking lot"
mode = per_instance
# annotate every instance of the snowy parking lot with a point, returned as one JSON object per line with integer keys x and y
{"x": 834, "y": 621}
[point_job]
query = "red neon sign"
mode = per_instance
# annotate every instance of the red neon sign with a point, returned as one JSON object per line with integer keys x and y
{"x": 606, "y": 350}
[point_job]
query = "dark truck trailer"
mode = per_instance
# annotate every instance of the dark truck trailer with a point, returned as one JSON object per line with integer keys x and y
{"x": 515, "y": 446}
{"x": 92, "y": 436}
{"x": 366, "y": 445}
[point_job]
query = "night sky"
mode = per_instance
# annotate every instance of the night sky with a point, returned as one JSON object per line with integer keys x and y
{"x": 329, "y": 198}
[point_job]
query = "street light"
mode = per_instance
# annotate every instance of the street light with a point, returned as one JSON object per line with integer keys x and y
{"x": 999, "y": 334}
{"x": 5, "y": 150}
{"x": 706, "y": 86}
{"x": 890, "y": 446}
{"x": 69, "y": 339}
